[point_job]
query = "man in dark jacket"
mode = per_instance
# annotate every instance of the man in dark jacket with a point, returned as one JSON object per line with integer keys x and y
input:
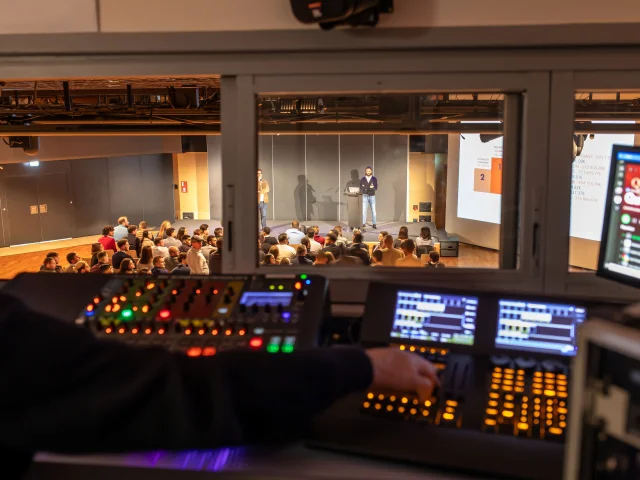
{"x": 368, "y": 187}
{"x": 269, "y": 241}
{"x": 121, "y": 254}
{"x": 359, "y": 249}
{"x": 301, "y": 258}
{"x": 331, "y": 246}
{"x": 134, "y": 242}
{"x": 182, "y": 268}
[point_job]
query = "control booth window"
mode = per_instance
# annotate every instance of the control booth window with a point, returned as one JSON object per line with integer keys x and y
{"x": 603, "y": 119}
{"x": 411, "y": 180}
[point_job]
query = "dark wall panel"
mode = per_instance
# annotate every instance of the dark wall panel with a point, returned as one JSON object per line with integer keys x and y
{"x": 92, "y": 210}
{"x": 323, "y": 175}
{"x": 289, "y": 185}
{"x": 356, "y": 153}
{"x": 390, "y": 168}
{"x": 157, "y": 188}
{"x": 265, "y": 162}
{"x": 214, "y": 154}
{"x": 125, "y": 189}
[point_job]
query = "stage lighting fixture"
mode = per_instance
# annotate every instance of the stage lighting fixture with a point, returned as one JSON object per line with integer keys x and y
{"x": 331, "y": 13}
{"x": 30, "y": 145}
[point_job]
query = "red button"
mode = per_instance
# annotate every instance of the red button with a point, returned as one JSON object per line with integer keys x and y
{"x": 255, "y": 342}
{"x": 164, "y": 314}
{"x": 194, "y": 351}
{"x": 208, "y": 351}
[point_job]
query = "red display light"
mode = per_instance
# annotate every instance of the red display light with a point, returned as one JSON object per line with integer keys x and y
{"x": 108, "y": 330}
{"x": 202, "y": 331}
{"x": 161, "y": 331}
{"x": 134, "y": 331}
{"x": 89, "y": 308}
{"x": 208, "y": 351}
{"x": 228, "y": 332}
{"x": 215, "y": 291}
{"x": 241, "y": 332}
{"x": 164, "y": 314}
{"x": 255, "y": 342}
{"x": 147, "y": 331}
{"x": 121, "y": 330}
{"x": 215, "y": 332}
{"x": 188, "y": 331}
{"x": 198, "y": 291}
{"x": 194, "y": 351}
{"x": 96, "y": 300}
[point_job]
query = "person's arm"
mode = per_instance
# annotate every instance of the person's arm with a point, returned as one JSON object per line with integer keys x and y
{"x": 204, "y": 264}
{"x": 265, "y": 186}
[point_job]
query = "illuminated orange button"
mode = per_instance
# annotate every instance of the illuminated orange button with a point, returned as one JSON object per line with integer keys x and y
{"x": 366, "y": 404}
{"x": 123, "y": 298}
{"x": 563, "y": 394}
{"x": 194, "y": 351}
{"x": 448, "y": 416}
{"x": 145, "y": 309}
{"x": 114, "y": 299}
{"x": 96, "y": 300}
{"x": 563, "y": 411}
{"x": 508, "y": 382}
{"x": 452, "y": 403}
{"x": 147, "y": 331}
{"x": 404, "y": 400}
{"x": 497, "y": 369}
{"x": 427, "y": 403}
{"x": 174, "y": 292}
{"x": 208, "y": 351}
{"x": 562, "y": 424}
{"x": 519, "y": 389}
{"x": 201, "y": 331}
{"x": 402, "y": 347}
{"x": 412, "y": 348}
{"x": 523, "y": 426}
{"x": 494, "y": 395}
{"x": 108, "y": 330}
{"x": 116, "y": 308}
{"x": 425, "y": 413}
{"x": 161, "y": 331}
{"x": 509, "y": 405}
{"x": 242, "y": 332}
{"x": 151, "y": 286}
{"x": 389, "y": 408}
{"x": 507, "y": 413}
{"x": 107, "y": 308}
{"x": 537, "y": 391}
{"x": 228, "y": 332}
{"x": 508, "y": 397}
{"x": 135, "y": 309}
{"x": 507, "y": 388}
{"x": 550, "y": 393}
{"x": 215, "y": 331}
{"x": 89, "y": 308}
{"x": 134, "y": 331}
{"x": 491, "y": 411}
{"x": 370, "y": 396}
{"x": 188, "y": 331}
{"x": 490, "y": 421}
{"x": 138, "y": 294}
{"x": 401, "y": 409}
{"x": 413, "y": 411}
{"x": 121, "y": 330}
{"x": 381, "y": 397}
{"x": 493, "y": 403}
{"x": 450, "y": 410}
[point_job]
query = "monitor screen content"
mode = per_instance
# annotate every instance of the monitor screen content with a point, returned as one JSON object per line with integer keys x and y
{"x": 260, "y": 299}
{"x": 539, "y": 327}
{"x": 620, "y": 243}
{"x": 433, "y": 317}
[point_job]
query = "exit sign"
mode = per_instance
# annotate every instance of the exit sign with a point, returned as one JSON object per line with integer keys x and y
{"x": 183, "y": 187}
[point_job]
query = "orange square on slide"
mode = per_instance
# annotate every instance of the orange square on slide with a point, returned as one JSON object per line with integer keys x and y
{"x": 482, "y": 180}
{"x": 496, "y": 176}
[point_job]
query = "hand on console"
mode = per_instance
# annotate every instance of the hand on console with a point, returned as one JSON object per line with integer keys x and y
{"x": 402, "y": 371}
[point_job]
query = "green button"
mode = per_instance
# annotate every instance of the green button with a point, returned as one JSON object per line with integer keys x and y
{"x": 287, "y": 348}
{"x": 272, "y": 348}
{"x": 303, "y": 276}
{"x": 272, "y": 287}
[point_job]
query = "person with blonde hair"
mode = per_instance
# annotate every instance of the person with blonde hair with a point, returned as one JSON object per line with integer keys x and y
{"x": 81, "y": 267}
{"x": 121, "y": 229}
{"x": 285, "y": 261}
{"x": 275, "y": 251}
{"x": 163, "y": 229}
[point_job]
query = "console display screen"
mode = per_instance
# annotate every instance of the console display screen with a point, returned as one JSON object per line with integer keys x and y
{"x": 539, "y": 327}
{"x": 434, "y": 317}
{"x": 273, "y": 299}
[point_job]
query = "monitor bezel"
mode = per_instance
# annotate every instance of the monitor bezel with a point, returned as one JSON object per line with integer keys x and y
{"x": 604, "y": 237}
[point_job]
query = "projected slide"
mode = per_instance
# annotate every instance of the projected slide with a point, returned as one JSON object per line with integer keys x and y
{"x": 480, "y": 179}
{"x": 589, "y": 184}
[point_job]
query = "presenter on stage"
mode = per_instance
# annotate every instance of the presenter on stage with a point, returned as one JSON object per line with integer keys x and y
{"x": 263, "y": 198}
{"x": 368, "y": 187}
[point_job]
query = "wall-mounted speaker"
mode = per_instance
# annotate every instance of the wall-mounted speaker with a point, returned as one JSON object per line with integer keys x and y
{"x": 425, "y": 206}
{"x": 425, "y": 218}
{"x": 187, "y": 216}
{"x": 194, "y": 143}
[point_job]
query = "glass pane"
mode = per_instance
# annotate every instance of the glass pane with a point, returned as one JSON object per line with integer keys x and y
{"x": 603, "y": 119}
{"x": 424, "y": 169}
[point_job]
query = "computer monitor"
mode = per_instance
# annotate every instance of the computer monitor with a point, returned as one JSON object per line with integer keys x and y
{"x": 620, "y": 242}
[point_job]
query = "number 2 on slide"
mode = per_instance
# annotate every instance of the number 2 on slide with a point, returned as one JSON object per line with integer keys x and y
{"x": 482, "y": 176}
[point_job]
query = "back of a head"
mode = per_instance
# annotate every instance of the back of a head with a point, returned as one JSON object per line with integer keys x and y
{"x": 174, "y": 250}
{"x": 282, "y": 238}
{"x": 52, "y": 255}
{"x": 121, "y": 243}
{"x": 146, "y": 234}
{"x": 285, "y": 261}
{"x": 156, "y": 260}
{"x": 301, "y": 250}
{"x": 204, "y": 227}
{"x": 311, "y": 232}
{"x": 434, "y": 257}
{"x": 143, "y": 225}
{"x": 295, "y": 224}
{"x": 106, "y": 230}
{"x": 305, "y": 241}
{"x": 377, "y": 255}
{"x": 132, "y": 229}
{"x": 266, "y": 230}
{"x": 96, "y": 247}
{"x": 164, "y": 225}
{"x": 182, "y": 257}
{"x": 268, "y": 258}
{"x": 124, "y": 265}
{"x": 147, "y": 255}
{"x": 181, "y": 232}
{"x": 383, "y": 234}
{"x": 388, "y": 241}
{"x": 408, "y": 245}
{"x": 197, "y": 232}
{"x": 170, "y": 231}
{"x": 219, "y": 243}
{"x": 49, "y": 263}
{"x": 81, "y": 266}
{"x": 71, "y": 257}
{"x": 338, "y": 229}
{"x": 403, "y": 234}
{"x": 358, "y": 238}
{"x": 103, "y": 257}
{"x": 157, "y": 241}
{"x": 275, "y": 251}
{"x": 332, "y": 236}
{"x": 211, "y": 239}
{"x": 105, "y": 268}
{"x": 122, "y": 220}
{"x": 218, "y": 232}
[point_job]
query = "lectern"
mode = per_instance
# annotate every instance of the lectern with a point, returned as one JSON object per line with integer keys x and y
{"x": 354, "y": 207}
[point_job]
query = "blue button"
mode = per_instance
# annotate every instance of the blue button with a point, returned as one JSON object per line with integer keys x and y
{"x": 308, "y": 282}
{"x": 286, "y": 315}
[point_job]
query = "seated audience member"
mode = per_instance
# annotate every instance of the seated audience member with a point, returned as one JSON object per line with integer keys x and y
{"x": 359, "y": 249}
{"x": 275, "y": 252}
{"x": 142, "y": 226}
{"x": 301, "y": 258}
{"x": 324, "y": 258}
{"x": 121, "y": 254}
{"x": 127, "y": 267}
{"x": 204, "y": 228}
{"x": 332, "y": 246}
{"x": 134, "y": 242}
{"x": 269, "y": 260}
{"x": 285, "y": 261}
{"x": 173, "y": 259}
{"x": 408, "y": 248}
{"x": 306, "y": 242}
{"x": 81, "y": 267}
{"x": 348, "y": 261}
{"x": 96, "y": 248}
{"x": 158, "y": 266}
{"x": 48, "y": 266}
{"x": 294, "y": 234}
{"x": 55, "y": 256}
{"x": 313, "y": 247}
{"x": 403, "y": 234}
{"x": 434, "y": 261}
{"x": 107, "y": 240}
{"x": 103, "y": 259}
{"x": 159, "y": 250}
{"x": 269, "y": 240}
{"x": 390, "y": 254}
{"x": 181, "y": 233}
{"x": 72, "y": 259}
{"x": 209, "y": 247}
{"x": 186, "y": 244}
{"x": 215, "y": 260}
{"x": 381, "y": 237}
{"x": 341, "y": 239}
{"x": 146, "y": 259}
{"x": 197, "y": 233}
{"x": 425, "y": 240}
{"x": 108, "y": 269}
{"x": 162, "y": 233}
{"x": 147, "y": 239}
{"x": 144, "y": 271}
{"x": 376, "y": 258}
{"x": 197, "y": 263}
{"x": 122, "y": 229}
{"x": 316, "y": 235}
{"x": 181, "y": 268}
{"x": 286, "y": 250}
{"x": 171, "y": 240}
{"x": 218, "y": 233}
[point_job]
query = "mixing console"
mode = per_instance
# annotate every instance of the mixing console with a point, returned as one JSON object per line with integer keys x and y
{"x": 201, "y": 316}
{"x": 503, "y": 362}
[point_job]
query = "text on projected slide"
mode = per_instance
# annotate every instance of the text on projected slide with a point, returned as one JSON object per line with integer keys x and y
{"x": 480, "y": 179}
{"x": 432, "y": 317}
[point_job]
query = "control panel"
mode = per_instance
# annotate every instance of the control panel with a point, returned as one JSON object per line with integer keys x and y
{"x": 201, "y": 316}
{"x": 503, "y": 362}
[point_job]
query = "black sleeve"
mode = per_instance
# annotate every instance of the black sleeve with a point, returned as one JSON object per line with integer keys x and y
{"x": 65, "y": 391}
